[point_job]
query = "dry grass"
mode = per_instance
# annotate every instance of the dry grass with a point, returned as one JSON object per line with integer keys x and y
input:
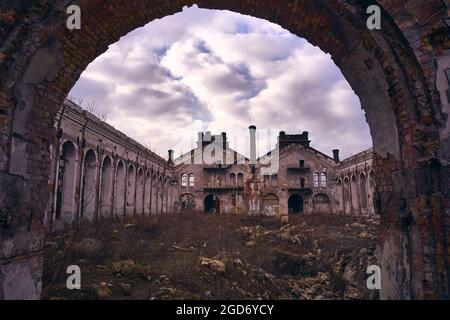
{"x": 167, "y": 249}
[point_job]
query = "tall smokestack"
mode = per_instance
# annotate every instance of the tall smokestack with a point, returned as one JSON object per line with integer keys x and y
{"x": 224, "y": 147}
{"x": 336, "y": 155}
{"x": 252, "y": 145}
{"x": 170, "y": 161}
{"x": 200, "y": 140}
{"x": 224, "y": 140}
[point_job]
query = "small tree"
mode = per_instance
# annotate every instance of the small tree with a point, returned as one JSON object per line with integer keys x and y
{"x": 91, "y": 107}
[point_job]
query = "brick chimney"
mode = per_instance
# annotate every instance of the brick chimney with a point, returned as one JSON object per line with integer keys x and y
{"x": 336, "y": 155}
{"x": 170, "y": 161}
{"x": 224, "y": 147}
{"x": 200, "y": 140}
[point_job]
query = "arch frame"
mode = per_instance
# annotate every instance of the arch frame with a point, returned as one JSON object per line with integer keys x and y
{"x": 400, "y": 51}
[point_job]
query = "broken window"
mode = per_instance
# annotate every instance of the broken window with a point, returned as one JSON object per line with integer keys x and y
{"x": 191, "y": 180}
{"x": 184, "y": 180}
{"x": 323, "y": 180}
{"x": 316, "y": 179}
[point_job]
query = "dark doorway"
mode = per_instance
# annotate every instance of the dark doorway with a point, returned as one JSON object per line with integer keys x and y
{"x": 212, "y": 204}
{"x": 295, "y": 204}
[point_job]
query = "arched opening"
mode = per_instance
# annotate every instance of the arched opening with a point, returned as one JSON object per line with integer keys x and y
{"x": 240, "y": 179}
{"x": 346, "y": 192}
{"x": 89, "y": 188}
{"x": 363, "y": 191}
{"x": 165, "y": 195}
{"x": 371, "y": 192}
{"x": 160, "y": 195}
{"x": 106, "y": 187}
{"x": 340, "y": 196}
{"x": 140, "y": 192}
{"x": 65, "y": 196}
{"x": 187, "y": 203}
{"x": 211, "y": 204}
{"x": 131, "y": 191}
{"x": 270, "y": 205}
{"x": 233, "y": 181}
{"x": 120, "y": 190}
{"x": 153, "y": 195}
{"x": 355, "y": 195}
{"x": 147, "y": 194}
{"x": 295, "y": 204}
{"x": 402, "y": 101}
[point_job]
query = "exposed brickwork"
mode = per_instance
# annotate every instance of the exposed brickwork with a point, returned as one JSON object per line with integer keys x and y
{"x": 100, "y": 187}
{"x": 292, "y": 178}
{"x": 393, "y": 71}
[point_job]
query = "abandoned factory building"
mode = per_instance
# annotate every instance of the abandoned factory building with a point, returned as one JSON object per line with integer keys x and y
{"x": 98, "y": 172}
{"x": 292, "y": 178}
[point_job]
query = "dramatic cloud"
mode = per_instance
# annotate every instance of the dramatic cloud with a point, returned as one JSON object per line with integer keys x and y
{"x": 221, "y": 71}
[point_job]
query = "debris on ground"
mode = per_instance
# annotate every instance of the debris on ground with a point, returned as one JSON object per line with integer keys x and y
{"x": 215, "y": 257}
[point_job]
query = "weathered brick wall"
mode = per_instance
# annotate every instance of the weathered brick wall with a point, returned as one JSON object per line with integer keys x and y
{"x": 88, "y": 134}
{"x": 397, "y": 73}
{"x": 358, "y": 169}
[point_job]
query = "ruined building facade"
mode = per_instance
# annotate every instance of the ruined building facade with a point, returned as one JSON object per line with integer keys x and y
{"x": 293, "y": 178}
{"x": 99, "y": 173}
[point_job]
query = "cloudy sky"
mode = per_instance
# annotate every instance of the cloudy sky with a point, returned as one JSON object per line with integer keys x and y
{"x": 221, "y": 71}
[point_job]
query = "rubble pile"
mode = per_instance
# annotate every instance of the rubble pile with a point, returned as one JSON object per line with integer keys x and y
{"x": 223, "y": 257}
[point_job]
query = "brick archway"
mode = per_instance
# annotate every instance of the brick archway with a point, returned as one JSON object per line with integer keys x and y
{"x": 396, "y": 72}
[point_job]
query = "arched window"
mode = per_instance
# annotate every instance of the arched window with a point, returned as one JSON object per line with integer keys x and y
{"x": 192, "y": 180}
{"x": 363, "y": 191}
{"x": 316, "y": 179}
{"x": 233, "y": 179}
{"x": 147, "y": 195}
{"x": 240, "y": 179}
{"x": 275, "y": 180}
{"x": 354, "y": 194}
{"x": 346, "y": 196}
{"x": 65, "y": 200}
{"x": 106, "y": 186}
{"x": 89, "y": 191}
{"x": 131, "y": 190}
{"x": 184, "y": 180}
{"x": 140, "y": 192}
{"x": 120, "y": 189}
{"x": 323, "y": 180}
